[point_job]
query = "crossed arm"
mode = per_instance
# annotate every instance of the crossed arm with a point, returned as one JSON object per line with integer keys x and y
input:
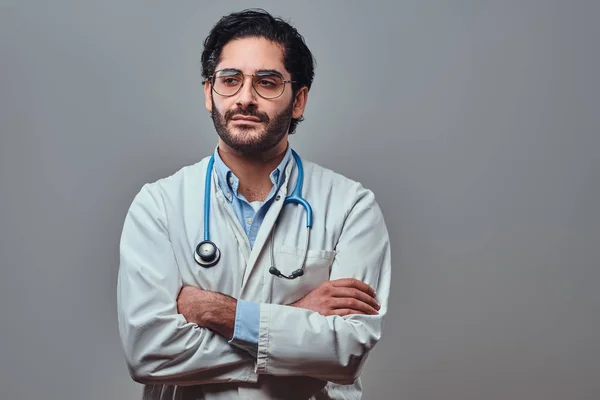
{"x": 217, "y": 311}
{"x": 179, "y": 336}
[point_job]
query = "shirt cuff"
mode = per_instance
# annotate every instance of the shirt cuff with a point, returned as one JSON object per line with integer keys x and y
{"x": 247, "y": 325}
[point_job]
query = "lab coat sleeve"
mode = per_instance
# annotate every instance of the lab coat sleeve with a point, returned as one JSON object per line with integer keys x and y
{"x": 160, "y": 346}
{"x": 295, "y": 341}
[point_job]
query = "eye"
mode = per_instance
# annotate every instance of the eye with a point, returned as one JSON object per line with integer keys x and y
{"x": 267, "y": 82}
{"x": 230, "y": 81}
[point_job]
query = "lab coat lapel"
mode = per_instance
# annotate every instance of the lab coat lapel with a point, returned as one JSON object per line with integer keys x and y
{"x": 225, "y": 210}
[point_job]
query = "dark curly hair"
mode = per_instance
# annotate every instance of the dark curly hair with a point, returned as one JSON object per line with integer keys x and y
{"x": 297, "y": 58}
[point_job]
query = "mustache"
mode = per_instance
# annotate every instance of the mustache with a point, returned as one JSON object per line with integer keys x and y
{"x": 249, "y": 112}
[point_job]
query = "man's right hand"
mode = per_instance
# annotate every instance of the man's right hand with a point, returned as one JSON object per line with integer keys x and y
{"x": 341, "y": 297}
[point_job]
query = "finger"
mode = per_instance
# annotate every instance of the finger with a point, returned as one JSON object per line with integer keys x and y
{"x": 355, "y": 283}
{"x": 357, "y": 294}
{"x": 348, "y": 302}
{"x": 345, "y": 311}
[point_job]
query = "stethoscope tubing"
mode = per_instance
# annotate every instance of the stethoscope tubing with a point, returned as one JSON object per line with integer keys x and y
{"x": 294, "y": 198}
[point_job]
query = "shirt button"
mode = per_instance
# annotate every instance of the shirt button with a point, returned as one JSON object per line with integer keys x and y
{"x": 228, "y": 195}
{"x": 249, "y": 220}
{"x": 231, "y": 180}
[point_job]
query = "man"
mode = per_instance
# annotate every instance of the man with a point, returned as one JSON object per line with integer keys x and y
{"x": 285, "y": 312}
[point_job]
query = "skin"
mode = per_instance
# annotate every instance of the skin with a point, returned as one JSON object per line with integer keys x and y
{"x": 214, "y": 310}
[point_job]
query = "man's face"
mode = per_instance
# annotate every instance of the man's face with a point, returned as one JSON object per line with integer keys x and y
{"x": 247, "y": 122}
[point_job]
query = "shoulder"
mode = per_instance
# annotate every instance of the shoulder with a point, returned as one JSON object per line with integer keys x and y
{"x": 342, "y": 191}
{"x": 169, "y": 188}
{"x": 328, "y": 178}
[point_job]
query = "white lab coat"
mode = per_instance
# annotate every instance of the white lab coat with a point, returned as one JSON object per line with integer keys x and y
{"x": 301, "y": 354}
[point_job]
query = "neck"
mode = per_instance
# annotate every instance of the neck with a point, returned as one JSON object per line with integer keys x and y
{"x": 253, "y": 171}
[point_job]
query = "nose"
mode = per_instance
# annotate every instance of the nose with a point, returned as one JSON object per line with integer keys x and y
{"x": 247, "y": 95}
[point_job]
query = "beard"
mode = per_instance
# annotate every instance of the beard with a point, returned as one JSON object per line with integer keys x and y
{"x": 249, "y": 139}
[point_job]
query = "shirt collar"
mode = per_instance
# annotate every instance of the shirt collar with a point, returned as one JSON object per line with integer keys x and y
{"x": 229, "y": 182}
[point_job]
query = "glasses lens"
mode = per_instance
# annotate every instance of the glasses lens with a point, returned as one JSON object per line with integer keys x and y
{"x": 269, "y": 85}
{"x": 226, "y": 83}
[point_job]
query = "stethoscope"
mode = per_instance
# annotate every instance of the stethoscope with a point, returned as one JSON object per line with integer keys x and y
{"x": 207, "y": 253}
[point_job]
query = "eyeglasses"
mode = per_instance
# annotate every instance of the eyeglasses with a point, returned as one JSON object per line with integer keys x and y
{"x": 268, "y": 84}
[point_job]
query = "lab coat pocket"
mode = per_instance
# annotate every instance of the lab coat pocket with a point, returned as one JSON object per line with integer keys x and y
{"x": 317, "y": 268}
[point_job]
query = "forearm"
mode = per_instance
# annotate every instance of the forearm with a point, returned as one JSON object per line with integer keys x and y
{"x": 235, "y": 320}
{"x": 212, "y": 310}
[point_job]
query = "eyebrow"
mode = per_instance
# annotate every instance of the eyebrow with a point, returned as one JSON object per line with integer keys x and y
{"x": 260, "y": 72}
{"x": 268, "y": 72}
{"x": 231, "y": 70}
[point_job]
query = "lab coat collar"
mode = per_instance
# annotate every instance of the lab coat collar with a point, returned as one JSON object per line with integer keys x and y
{"x": 228, "y": 181}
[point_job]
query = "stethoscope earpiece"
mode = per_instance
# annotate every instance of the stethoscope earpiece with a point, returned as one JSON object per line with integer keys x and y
{"x": 296, "y": 274}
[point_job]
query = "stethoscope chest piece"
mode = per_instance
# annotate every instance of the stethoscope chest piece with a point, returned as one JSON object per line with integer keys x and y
{"x": 207, "y": 254}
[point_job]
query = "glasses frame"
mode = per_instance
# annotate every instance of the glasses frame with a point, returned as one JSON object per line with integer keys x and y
{"x": 211, "y": 79}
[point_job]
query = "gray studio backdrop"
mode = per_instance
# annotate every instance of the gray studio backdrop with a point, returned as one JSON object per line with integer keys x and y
{"x": 476, "y": 123}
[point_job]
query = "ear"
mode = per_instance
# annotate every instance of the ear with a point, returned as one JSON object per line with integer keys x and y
{"x": 300, "y": 102}
{"x": 207, "y": 97}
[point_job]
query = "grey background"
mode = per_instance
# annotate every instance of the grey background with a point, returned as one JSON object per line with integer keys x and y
{"x": 476, "y": 123}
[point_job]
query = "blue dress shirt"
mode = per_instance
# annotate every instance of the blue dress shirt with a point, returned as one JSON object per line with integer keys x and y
{"x": 250, "y": 216}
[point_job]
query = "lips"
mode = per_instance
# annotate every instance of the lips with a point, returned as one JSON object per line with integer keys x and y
{"x": 245, "y": 118}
